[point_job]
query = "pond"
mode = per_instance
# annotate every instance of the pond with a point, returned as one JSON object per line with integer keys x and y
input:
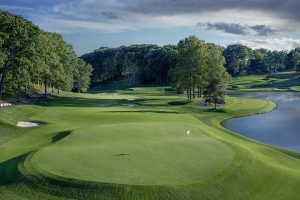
{"x": 281, "y": 127}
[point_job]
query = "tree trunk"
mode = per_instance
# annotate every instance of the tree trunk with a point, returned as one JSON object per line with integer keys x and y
{"x": 133, "y": 79}
{"x": 199, "y": 95}
{"x": 2, "y": 81}
{"x": 58, "y": 90}
{"x": 45, "y": 84}
{"x": 200, "y": 91}
{"x": 194, "y": 91}
{"x": 52, "y": 87}
{"x": 215, "y": 105}
{"x": 187, "y": 93}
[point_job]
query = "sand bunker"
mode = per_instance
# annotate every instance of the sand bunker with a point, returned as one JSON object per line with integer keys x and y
{"x": 130, "y": 99}
{"x": 5, "y": 104}
{"x": 27, "y": 124}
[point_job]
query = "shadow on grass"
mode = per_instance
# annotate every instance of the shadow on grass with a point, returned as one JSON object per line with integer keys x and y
{"x": 107, "y": 89}
{"x": 56, "y": 101}
{"x": 147, "y": 111}
{"x": 179, "y": 103}
{"x": 9, "y": 172}
{"x": 294, "y": 81}
{"x": 218, "y": 110}
{"x": 61, "y": 136}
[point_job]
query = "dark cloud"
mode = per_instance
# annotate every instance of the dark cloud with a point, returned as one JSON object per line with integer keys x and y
{"x": 238, "y": 29}
{"x": 110, "y": 15}
{"x": 263, "y": 30}
{"x": 228, "y": 28}
{"x": 284, "y": 8}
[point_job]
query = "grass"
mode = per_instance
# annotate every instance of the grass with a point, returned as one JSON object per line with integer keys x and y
{"x": 91, "y": 146}
{"x": 286, "y": 81}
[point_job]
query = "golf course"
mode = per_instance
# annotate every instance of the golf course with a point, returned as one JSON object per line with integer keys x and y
{"x": 149, "y": 100}
{"x": 148, "y": 143}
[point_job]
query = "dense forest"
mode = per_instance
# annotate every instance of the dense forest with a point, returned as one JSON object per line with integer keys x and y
{"x": 32, "y": 57}
{"x": 242, "y": 60}
{"x": 143, "y": 64}
{"x": 150, "y": 64}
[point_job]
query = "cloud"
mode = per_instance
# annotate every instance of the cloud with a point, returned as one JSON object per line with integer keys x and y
{"x": 263, "y": 30}
{"x": 66, "y": 26}
{"x": 228, "y": 28}
{"x": 110, "y": 15}
{"x": 238, "y": 29}
{"x": 287, "y": 8}
{"x": 271, "y": 43}
{"x": 229, "y": 16}
{"x": 15, "y": 8}
{"x": 251, "y": 17}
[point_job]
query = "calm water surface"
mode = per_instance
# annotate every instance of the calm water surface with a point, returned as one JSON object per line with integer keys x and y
{"x": 281, "y": 127}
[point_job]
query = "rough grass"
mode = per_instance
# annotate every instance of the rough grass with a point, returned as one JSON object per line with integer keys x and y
{"x": 92, "y": 147}
{"x": 287, "y": 81}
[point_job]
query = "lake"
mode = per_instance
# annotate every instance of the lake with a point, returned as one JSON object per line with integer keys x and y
{"x": 281, "y": 127}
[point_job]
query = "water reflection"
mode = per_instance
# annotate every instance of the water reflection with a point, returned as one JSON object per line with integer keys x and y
{"x": 281, "y": 127}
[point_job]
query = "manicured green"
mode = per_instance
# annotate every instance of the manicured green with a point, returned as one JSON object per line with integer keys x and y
{"x": 285, "y": 81}
{"x": 95, "y": 146}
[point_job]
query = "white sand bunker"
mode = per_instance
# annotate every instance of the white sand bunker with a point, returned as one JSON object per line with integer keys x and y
{"x": 28, "y": 124}
{"x": 130, "y": 99}
{"x": 130, "y": 105}
{"x": 5, "y": 104}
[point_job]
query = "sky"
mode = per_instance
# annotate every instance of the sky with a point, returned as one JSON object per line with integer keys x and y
{"x": 90, "y": 24}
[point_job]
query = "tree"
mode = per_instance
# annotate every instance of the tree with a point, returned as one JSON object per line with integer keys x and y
{"x": 131, "y": 66}
{"x": 237, "y": 59}
{"x": 260, "y": 63}
{"x": 82, "y": 76}
{"x": 29, "y": 56}
{"x": 293, "y": 59}
{"x": 190, "y": 64}
{"x": 18, "y": 38}
{"x": 217, "y": 76}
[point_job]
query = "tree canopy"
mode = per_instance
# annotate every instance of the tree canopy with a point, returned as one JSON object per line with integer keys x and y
{"x": 29, "y": 56}
{"x": 199, "y": 66}
{"x": 241, "y": 60}
{"x": 143, "y": 64}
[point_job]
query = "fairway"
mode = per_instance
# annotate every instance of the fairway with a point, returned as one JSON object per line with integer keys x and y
{"x": 284, "y": 81}
{"x": 93, "y": 146}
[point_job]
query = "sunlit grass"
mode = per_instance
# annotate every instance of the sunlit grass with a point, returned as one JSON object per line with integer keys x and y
{"x": 95, "y": 146}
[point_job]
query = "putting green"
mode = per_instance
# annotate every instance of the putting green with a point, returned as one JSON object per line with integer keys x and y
{"x": 137, "y": 154}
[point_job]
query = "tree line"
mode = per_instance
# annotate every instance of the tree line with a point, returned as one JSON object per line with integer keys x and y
{"x": 30, "y": 56}
{"x": 142, "y": 64}
{"x": 242, "y": 60}
{"x": 150, "y": 64}
{"x": 192, "y": 66}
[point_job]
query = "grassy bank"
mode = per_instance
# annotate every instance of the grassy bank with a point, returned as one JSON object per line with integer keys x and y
{"x": 286, "y": 81}
{"x": 133, "y": 144}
